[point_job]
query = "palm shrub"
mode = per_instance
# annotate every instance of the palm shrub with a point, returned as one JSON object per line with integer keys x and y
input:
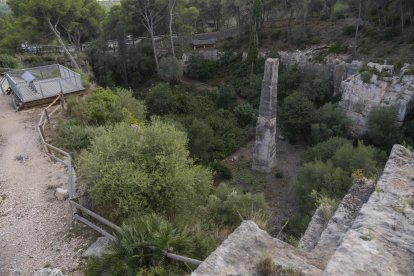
{"x": 139, "y": 246}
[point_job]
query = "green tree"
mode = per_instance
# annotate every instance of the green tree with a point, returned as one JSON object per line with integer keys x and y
{"x": 383, "y": 127}
{"x": 201, "y": 137}
{"x": 245, "y": 114}
{"x": 297, "y": 114}
{"x": 325, "y": 150}
{"x": 160, "y": 100}
{"x": 75, "y": 18}
{"x": 146, "y": 169}
{"x": 226, "y": 97}
{"x": 171, "y": 69}
{"x": 254, "y": 35}
{"x": 331, "y": 122}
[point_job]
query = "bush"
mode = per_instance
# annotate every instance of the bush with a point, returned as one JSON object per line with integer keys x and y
{"x": 201, "y": 137}
{"x": 331, "y": 122}
{"x": 104, "y": 106}
{"x": 366, "y": 76}
{"x": 324, "y": 150}
{"x": 160, "y": 100}
{"x": 226, "y": 97}
{"x": 297, "y": 225}
{"x": 275, "y": 35}
{"x": 338, "y": 48}
{"x": 383, "y": 127}
{"x": 138, "y": 247}
{"x": 139, "y": 170}
{"x": 349, "y": 30}
{"x": 229, "y": 207}
{"x": 316, "y": 87}
{"x": 199, "y": 68}
{"x": 73, "y": 136}
{"x": 289, "y": 80}
{"x": 297, "y": 114}
{"x": 171, "y": 69}
{"x": 266, "y": 267}
{"x": 8, "y": 61}
{"x": 222, "y": 170}
{"x": 245, "y": 114}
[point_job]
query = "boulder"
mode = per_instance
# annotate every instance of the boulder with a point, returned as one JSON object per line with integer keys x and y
{"x": 97, "y": 248}
{"x": 61, "y": 194}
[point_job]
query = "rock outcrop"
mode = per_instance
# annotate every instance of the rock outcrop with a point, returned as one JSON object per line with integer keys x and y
{"x": 381, "y": 239}
{"x": 240, "y": 253}
{"x": 264, "y": 153}
{"x": 375, "y": 239}
{"x": 359, "y": 98}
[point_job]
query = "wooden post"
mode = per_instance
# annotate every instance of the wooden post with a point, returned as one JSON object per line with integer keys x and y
{"x": 47, "y": 116}
{"x": 62, "y": 101}
{"x": 42, "y": 132}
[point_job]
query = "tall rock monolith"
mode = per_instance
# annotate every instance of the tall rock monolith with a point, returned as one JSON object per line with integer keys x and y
{"x": 264, "y": 154}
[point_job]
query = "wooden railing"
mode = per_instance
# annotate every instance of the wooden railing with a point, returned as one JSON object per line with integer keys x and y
{"x": 79, "y": 212}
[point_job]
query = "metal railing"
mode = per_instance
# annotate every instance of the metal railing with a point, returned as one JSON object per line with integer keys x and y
{"x": 77, "y": 210}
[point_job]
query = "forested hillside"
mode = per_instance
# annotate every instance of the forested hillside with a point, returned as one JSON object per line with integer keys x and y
{"x": 162, "y": 138}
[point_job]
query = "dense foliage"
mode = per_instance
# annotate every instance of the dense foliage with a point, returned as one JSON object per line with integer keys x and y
{"x": 145, "y": 169}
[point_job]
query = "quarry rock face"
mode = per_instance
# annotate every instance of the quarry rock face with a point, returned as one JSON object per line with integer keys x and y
{"x": 381, "y": 239}
{"x": 371, "y": 233}
{"x": 336, "y": 67}
{"x": 359, "y": 98}
{"x": 264, "y": 153}
{"x": 240, "y": 253}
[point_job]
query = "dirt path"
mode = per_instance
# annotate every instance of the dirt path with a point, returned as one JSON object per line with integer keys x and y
{"x": 35, "y": 229}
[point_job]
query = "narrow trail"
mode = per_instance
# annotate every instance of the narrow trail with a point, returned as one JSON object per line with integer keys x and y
{"x": 36, "y": 229}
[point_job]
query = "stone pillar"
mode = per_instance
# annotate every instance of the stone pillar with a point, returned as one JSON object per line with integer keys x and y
{"x": 264, "y": 154}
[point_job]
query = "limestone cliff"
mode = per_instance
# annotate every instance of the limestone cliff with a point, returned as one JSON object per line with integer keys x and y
{"x": 375, "y": 238}
{"x": 359, "y": 98}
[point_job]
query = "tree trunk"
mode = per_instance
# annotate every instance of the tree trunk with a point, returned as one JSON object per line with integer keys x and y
{"x": 305, "y": 15}
{"x": 62, "y": 44}
{"x": 122, "y": 55}
{"x": 171, "y": 10}
{"x": 357, "y": 26}
{"x": 154, "y": 48}
{"x": 402, "y": 15}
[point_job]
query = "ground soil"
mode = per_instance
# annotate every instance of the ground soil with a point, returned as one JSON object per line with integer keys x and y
{"x": 279, "y": 192}
{"x": 36, "y": 230}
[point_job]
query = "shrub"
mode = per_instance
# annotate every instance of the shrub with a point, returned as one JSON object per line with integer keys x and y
{"x": 222, "y": 170}
{"x": 331, "y": 123}
{"x": 275, "y": 35}
{"x": 289, "y": 81}
{"x": 200, "y": 136}
{"x": 383, "y": 128}
{"x": 104, "y": 106}
{"x": 199, "y": 68}
{"x": 349, "y": 30}
{"x": 266, "y": 267}
{"x": 366, "y": 76}
{"x": 160, "y": 100}
{"x": 138, "y": 247}
{"x": 74, "y": 136}
{"x": 338, "y": 48}
{"x": 226, "y": 97}
{"x": 139, "y": 170}
{"x": 316, "y": 87}
{"x": 229, "y": 207}
{"x": 8, "y": 61}
{"x": 245, "y": 114}
{"x": 171, "y": 69}
{"x": 297, "y": 225}
{"x": 297, "y": 114}
{"x": 84, "y": 78}
{"x": 324, "y": 150}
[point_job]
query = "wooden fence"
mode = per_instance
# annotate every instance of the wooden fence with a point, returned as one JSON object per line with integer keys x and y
{"x": 78, "y": 211}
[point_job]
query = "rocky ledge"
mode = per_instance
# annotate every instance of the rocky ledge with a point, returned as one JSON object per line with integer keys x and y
{"x": 375, "y": 239}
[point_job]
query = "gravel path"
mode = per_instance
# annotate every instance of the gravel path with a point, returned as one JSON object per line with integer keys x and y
{"x": 36, "y": 230}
